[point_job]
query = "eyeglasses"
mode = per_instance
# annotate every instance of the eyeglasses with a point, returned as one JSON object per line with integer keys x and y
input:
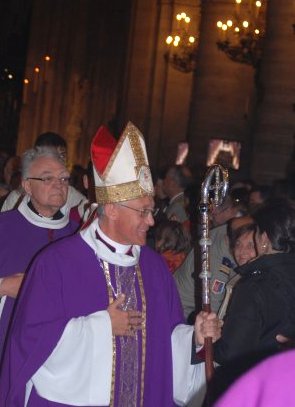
{"x": 50, "y": 180}
{"x": 144, "y": 212}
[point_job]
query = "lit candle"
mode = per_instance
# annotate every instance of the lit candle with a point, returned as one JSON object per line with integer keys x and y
{"x": 224, "y": 31}
{"x": 46, "y": 67}
{"x": 245, "y": 25}
{"x": 219, "y": 26}
{"x": 258, "y": 5}
{"x": 178, "y": 18}
{"x": 25, "y": 90}
{"x": 36, "y": 79}
{"x": 169, "y": 39}
{"x": 238, "y": 2}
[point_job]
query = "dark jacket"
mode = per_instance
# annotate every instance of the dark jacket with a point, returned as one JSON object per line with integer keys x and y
{"x": 262, "y": 306}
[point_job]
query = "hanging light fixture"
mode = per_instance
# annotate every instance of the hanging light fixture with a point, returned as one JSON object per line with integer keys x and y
{"x": 182, "y": 46}
{"x": 241, "y": 36}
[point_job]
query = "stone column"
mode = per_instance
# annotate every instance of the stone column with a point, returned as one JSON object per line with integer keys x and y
{"x": 223, "y": 92}
{"x": 275, "y": 115}
{"x": 74, "y": 128}
{"x": 156, "y": 96}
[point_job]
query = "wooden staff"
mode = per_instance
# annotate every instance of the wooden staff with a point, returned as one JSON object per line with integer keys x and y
{"x": 214, "y": 188}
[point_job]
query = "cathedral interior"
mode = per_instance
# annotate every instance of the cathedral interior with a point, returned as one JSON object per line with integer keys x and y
{"x": 216, "y": 76}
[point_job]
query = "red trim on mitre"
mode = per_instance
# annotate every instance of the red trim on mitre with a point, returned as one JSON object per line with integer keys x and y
{"x": 102, "y": 148}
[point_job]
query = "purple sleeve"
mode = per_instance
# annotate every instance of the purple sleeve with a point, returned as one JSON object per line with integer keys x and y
{"x": 38, "y": 323}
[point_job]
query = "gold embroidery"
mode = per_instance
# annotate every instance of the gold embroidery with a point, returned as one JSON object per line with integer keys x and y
{"x": 130, "y": 128}
{"x": 109, "y": 285}
{"x": 121, "y": 192}
{"x": 137, "y": 150}
{"x": 128, "y": 384}
{"x": 129, "y": 345}
{"x": 143, "y": 301}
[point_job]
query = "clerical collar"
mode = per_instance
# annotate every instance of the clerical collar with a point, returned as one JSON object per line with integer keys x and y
{"x": 58, "y": 215}
{"x": 117, "y": 247}
{"x": 31, "y": 215}
{"x": 104, "y": 247}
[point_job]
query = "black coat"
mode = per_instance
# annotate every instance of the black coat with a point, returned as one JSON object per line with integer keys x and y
{"x": 262, "y": 306}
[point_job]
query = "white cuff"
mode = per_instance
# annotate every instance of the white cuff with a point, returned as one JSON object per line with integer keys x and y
{"x": 199, "y": 348}
{"x": 189, "y": 381}
{"x": 79, "y": 370}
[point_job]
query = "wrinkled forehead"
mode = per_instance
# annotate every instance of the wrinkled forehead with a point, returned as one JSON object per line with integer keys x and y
{"x": 47, "y": 165}
{"x": 143, "y": 202}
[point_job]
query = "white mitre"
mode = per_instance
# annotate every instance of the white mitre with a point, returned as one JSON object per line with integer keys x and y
{"x": 121, "y": 168}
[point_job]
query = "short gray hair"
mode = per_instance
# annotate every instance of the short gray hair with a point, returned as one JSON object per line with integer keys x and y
{"x": 33, "y": 154}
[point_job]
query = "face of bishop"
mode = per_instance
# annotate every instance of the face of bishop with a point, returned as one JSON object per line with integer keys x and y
{"x": 128, "y": 222}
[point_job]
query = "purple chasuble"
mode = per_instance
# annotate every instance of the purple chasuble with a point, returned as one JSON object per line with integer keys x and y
{"x": 67, "y": 281}
{"x": 19, "y": 242}
{"x": 268, "y": 384}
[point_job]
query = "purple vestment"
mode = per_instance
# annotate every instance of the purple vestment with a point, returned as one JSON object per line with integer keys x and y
{"x": 19, "y": 242}
{"x": 67, "y": 281}
{"x": 269, "y": 384}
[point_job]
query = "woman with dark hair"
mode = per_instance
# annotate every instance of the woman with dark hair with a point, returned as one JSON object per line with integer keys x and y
{"x": 241, "y": 239}
{"x": 240, "y": 233}
{"x": 263, "y": 301}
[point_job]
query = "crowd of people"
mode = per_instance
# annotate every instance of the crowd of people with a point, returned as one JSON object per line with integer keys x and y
{"x": 99, "y": 279}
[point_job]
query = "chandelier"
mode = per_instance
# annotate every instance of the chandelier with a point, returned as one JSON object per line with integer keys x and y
{"x": 182, "y": 47}
{"x": 241, "y": 36}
